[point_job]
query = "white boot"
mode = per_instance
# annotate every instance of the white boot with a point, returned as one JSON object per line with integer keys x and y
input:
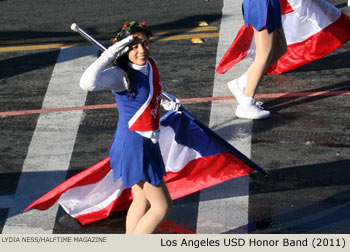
{"x": 237, "y": 87}
{"x": 250, "y": 109}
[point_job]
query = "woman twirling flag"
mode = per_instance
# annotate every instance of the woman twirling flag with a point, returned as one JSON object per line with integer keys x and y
{"x": 195, "y": 158}
{"x": 155, "y": 161}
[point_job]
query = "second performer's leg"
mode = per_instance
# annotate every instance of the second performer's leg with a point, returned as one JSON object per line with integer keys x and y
{"x": 264, "y": 44}
{"x": 247, "y": 107}
{"x": 279, "y": 47}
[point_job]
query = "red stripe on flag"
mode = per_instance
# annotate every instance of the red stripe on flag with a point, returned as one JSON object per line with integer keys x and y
{"x": 238, "y": 49}
{"x": 173, "y": 227}
{"x": 314, "y": 47}
{"x": 121, "y": 203}
{"x": 204, "y": 172}
{"x": 98, "y": 172}
{"x": 198, "y": 174}
{"x": 285, "y": 7}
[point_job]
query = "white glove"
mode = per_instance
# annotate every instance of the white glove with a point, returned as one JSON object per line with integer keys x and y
{"x": 173, "y": 104}
{"x": 120, "y": 47}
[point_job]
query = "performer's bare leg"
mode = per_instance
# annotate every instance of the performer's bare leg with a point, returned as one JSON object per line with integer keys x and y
{"x": 137, "y": 209}
{"x": 279, "y": 48}
{"x": 160, "y": 205}
{"x": 264, "y": 44}
{"x": 269, "y": 48}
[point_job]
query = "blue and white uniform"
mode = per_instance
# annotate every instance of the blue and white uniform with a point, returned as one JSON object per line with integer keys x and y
{"x": 134, "y": 154}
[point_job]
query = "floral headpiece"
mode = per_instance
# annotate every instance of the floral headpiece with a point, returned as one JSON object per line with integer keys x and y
{"x": 126, "y": 30}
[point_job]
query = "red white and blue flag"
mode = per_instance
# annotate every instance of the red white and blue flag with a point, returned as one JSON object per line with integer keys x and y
{"x": 313, "y": 29}
{"x": 195, "y": 158}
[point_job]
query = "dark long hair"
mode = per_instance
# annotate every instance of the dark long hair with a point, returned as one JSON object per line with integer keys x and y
{"x": 122, "y": 61}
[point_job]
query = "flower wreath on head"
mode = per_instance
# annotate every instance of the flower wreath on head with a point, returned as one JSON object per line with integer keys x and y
{"x": 127, "y": 27}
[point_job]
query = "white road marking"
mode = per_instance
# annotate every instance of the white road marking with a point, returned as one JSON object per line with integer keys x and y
{"x": 52, "y": 144}
{"x": 228, "y": 215}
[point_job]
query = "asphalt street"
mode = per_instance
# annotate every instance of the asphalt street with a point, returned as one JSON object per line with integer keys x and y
{"x": 305, "y": 145}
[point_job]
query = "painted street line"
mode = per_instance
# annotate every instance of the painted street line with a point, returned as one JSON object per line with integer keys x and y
{"x": 228, "y": 215}
{"x": 183, "y": 101}
{"x": 51, "y": 147}
{"x": 47, "y": 43}
{"x": 51, "y": 110}
{"x": 100, "y": 36}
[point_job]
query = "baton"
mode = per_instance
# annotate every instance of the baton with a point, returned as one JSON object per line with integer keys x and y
{"x": 93, "y": 41}
{"x": 97, "y": 44}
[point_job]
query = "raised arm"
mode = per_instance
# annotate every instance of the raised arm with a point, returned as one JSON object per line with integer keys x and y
{"x": 96, "y": 77}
